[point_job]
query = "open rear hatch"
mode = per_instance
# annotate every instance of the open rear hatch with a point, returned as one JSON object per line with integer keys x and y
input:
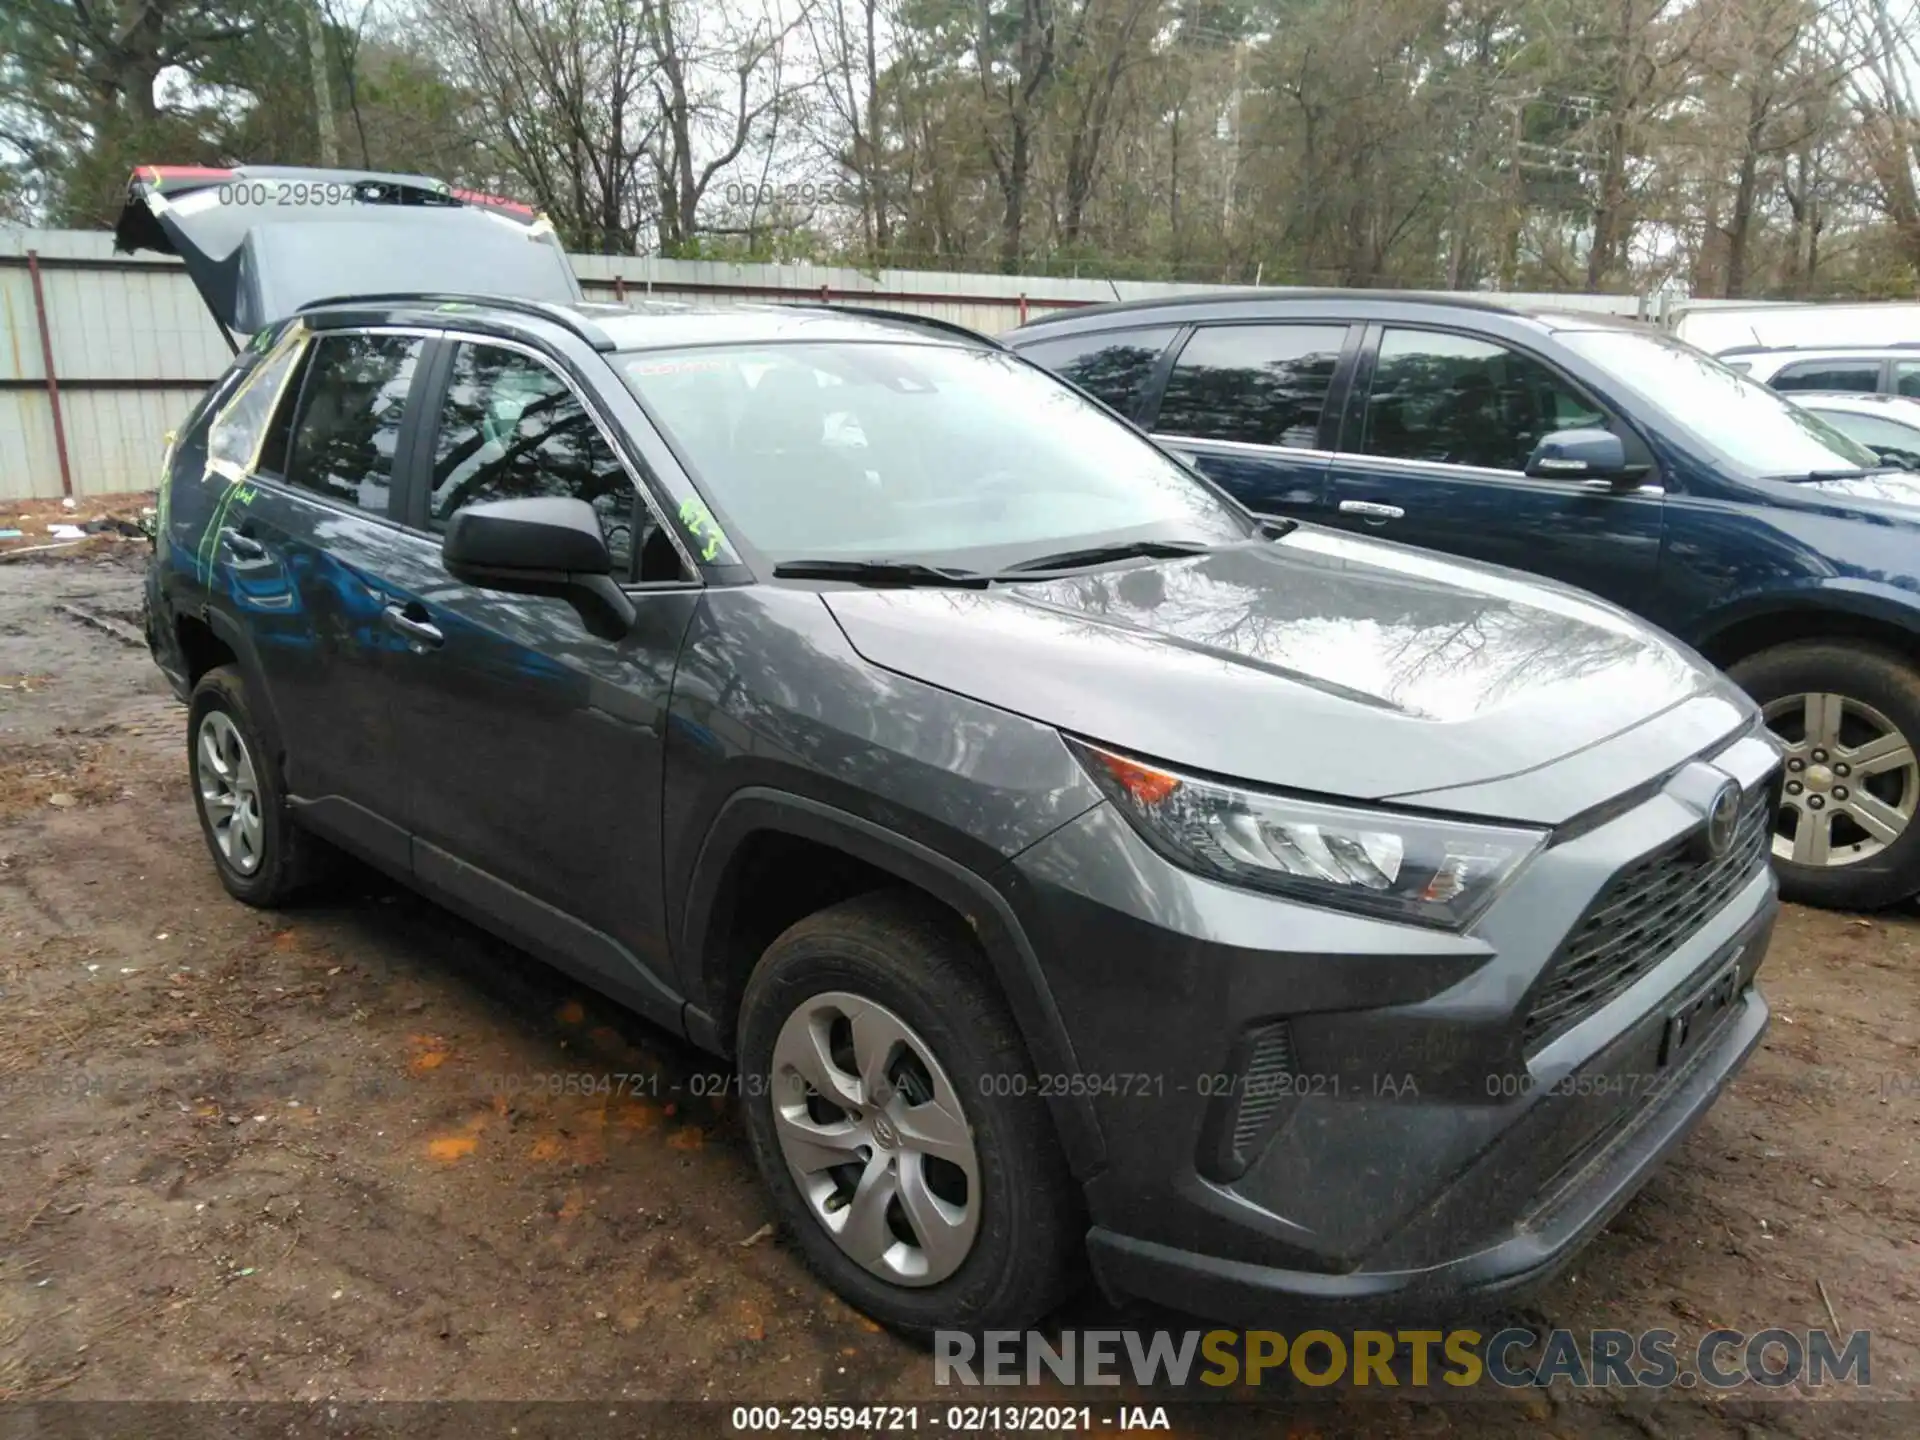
{"x": 262, "y": 241}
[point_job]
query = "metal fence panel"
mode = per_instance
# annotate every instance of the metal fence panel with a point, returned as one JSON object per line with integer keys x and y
{"x": 132, "y": 346}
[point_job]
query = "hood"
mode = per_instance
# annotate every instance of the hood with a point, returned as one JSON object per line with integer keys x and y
{"x": 1321, "y": 662}
{"x": 261, "y": 241}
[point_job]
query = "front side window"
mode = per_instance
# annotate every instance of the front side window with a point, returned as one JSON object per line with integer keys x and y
{"x": 1113, "y": 366}
{"x": 1257, "y": 384}
{"x": 511, "y": 429}
{"x": 1858, "y": 377}
{"x": 352, "y": 403}
{"x": 1906, "y": 378}
{"x": 1460, "y": 401}
{"x": 235, "y": 433}
{"x": 882, "y": 450}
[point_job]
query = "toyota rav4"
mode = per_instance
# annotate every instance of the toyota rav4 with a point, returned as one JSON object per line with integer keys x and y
{"x": 1077, "y": 870}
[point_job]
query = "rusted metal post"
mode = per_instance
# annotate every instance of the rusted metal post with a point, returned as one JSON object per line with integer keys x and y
{"x": 620, "y": 289}
{"x": 1023, "y": 307}
{"x": 53, "y": 381}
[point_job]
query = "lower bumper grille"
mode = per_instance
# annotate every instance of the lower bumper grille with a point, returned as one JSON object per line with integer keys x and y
{"x": 1643, "y": 915}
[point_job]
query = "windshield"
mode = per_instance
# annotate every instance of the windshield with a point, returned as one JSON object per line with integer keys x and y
{"x": 867, "y": 451}
{"x": 1754, "y": 428}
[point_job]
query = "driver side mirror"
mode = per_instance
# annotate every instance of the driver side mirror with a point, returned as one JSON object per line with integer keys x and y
{"x": 1581, "y": 455}
{"x": 543, "y": 546}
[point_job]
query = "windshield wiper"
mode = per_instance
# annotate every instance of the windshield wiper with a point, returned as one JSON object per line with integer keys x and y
{"x": 881, "y": 572}
{"x": 1854, "y": 474}
{"x": 1105, "y": 554}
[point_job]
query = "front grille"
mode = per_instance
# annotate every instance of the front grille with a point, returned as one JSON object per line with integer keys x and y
{"x": 1642, "y": 917}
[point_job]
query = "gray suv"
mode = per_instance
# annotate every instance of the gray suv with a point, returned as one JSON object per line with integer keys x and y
{"x": 1079, "y": 872}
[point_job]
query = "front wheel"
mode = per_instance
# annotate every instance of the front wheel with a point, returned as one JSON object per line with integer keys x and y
{"x": 1848, "y": 717}
{"x": 894, "y": 1117}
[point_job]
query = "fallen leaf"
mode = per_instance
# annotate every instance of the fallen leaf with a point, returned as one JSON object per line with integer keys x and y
{"x": 451, "y": 1147}
{"x": 756, "y": 1237}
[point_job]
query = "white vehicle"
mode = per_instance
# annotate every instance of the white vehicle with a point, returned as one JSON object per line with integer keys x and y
{"x": 1856, "y": 349}
{"x": 1723, "y": 329}
{"x": 1889, "y": 425}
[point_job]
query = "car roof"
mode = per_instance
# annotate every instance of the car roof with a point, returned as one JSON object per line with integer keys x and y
{"x": 648, "y": 324}
{"x": 1249, "y": 304}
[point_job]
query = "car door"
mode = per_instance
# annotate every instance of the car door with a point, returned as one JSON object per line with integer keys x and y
{"x": 1247, "y": 404}
{"x": 1433, "y": 450}
{"x": 298, "y": 548}
{"x": 534, "y": 750}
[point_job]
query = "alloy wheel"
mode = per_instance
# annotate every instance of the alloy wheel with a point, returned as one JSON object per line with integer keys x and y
{"x": 229, "y": 791}
{"x": 1852, "y": 780}
{"x": 876, "y": 1138}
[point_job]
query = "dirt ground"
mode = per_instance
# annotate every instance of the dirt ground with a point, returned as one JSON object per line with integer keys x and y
{"x": 256, "y": 1157}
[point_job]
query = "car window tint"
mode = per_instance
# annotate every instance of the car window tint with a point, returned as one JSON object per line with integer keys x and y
{"x": 1457, "y": 401}
{"x": 1858, "y": 376}
{"x": 1111, "y": 365}
{"x": 1906, "y": 378}
{"x": 236, "y": 431}
{"x": 1259, "y": 384}
{"x": 510, "y": 429}
{"x": 351, "y": 405}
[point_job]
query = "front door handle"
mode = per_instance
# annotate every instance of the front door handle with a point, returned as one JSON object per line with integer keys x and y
{"x": 1372, "y": 510}
{"x": 242, "y": 544}
{"x": 420, "y": 633}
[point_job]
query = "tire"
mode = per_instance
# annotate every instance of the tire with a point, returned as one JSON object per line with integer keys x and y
{"x": 894, "y": 959}
{"x": 1869, "y": 810}
{"x": 271, "y": 859}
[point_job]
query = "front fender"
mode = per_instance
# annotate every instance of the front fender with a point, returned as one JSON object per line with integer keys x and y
{"x": 1002, "y": 938}
{"x": 1848, "y": 596}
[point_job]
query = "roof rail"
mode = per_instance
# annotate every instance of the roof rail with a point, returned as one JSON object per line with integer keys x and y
{"x": 541, "y": 309}
{"x": 902, "y": 317}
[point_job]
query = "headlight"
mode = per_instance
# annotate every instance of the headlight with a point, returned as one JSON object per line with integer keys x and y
{"x": 1420, "y": 868}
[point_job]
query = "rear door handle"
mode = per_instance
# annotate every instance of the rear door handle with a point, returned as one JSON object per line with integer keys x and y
{"x": 420, "y": 632}
{"x": 1372, "y": 509}
{"x": 242, "y": 544}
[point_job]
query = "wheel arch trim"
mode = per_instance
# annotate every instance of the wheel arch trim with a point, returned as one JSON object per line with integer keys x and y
{"x": 1016, "y": 967}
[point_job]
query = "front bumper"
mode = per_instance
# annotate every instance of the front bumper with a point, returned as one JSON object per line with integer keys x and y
{"x": 1424, "y": 1149}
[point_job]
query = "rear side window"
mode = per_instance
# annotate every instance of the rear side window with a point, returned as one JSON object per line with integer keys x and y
{"x": 1861, "y": 377}
{"x": 1113, "y": 366}
{"x": 1258, "y": 384}
{"x": 348, "y": 424}
{"x": 1906, "y": 378}
{"x": 511, "y": 429}
{"x": 236, "y": 431}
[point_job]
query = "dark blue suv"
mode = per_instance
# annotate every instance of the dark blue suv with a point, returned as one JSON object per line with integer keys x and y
{"x": 1593, "y": 451}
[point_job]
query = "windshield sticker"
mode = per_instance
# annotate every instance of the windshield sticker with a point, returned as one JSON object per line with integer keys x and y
{"x": 702, "y": 526}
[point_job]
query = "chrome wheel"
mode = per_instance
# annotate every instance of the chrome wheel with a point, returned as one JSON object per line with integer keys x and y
{"x": 875, "y": 1136}
{"x": 1851, "y": 783}
{"x": 229, "y": 791}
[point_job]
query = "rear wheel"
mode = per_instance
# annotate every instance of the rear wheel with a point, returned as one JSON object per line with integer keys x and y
{"x": 889, "y": 1120}
{"x": 261, "y": 856}
{"x": 1848, "y": 716}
